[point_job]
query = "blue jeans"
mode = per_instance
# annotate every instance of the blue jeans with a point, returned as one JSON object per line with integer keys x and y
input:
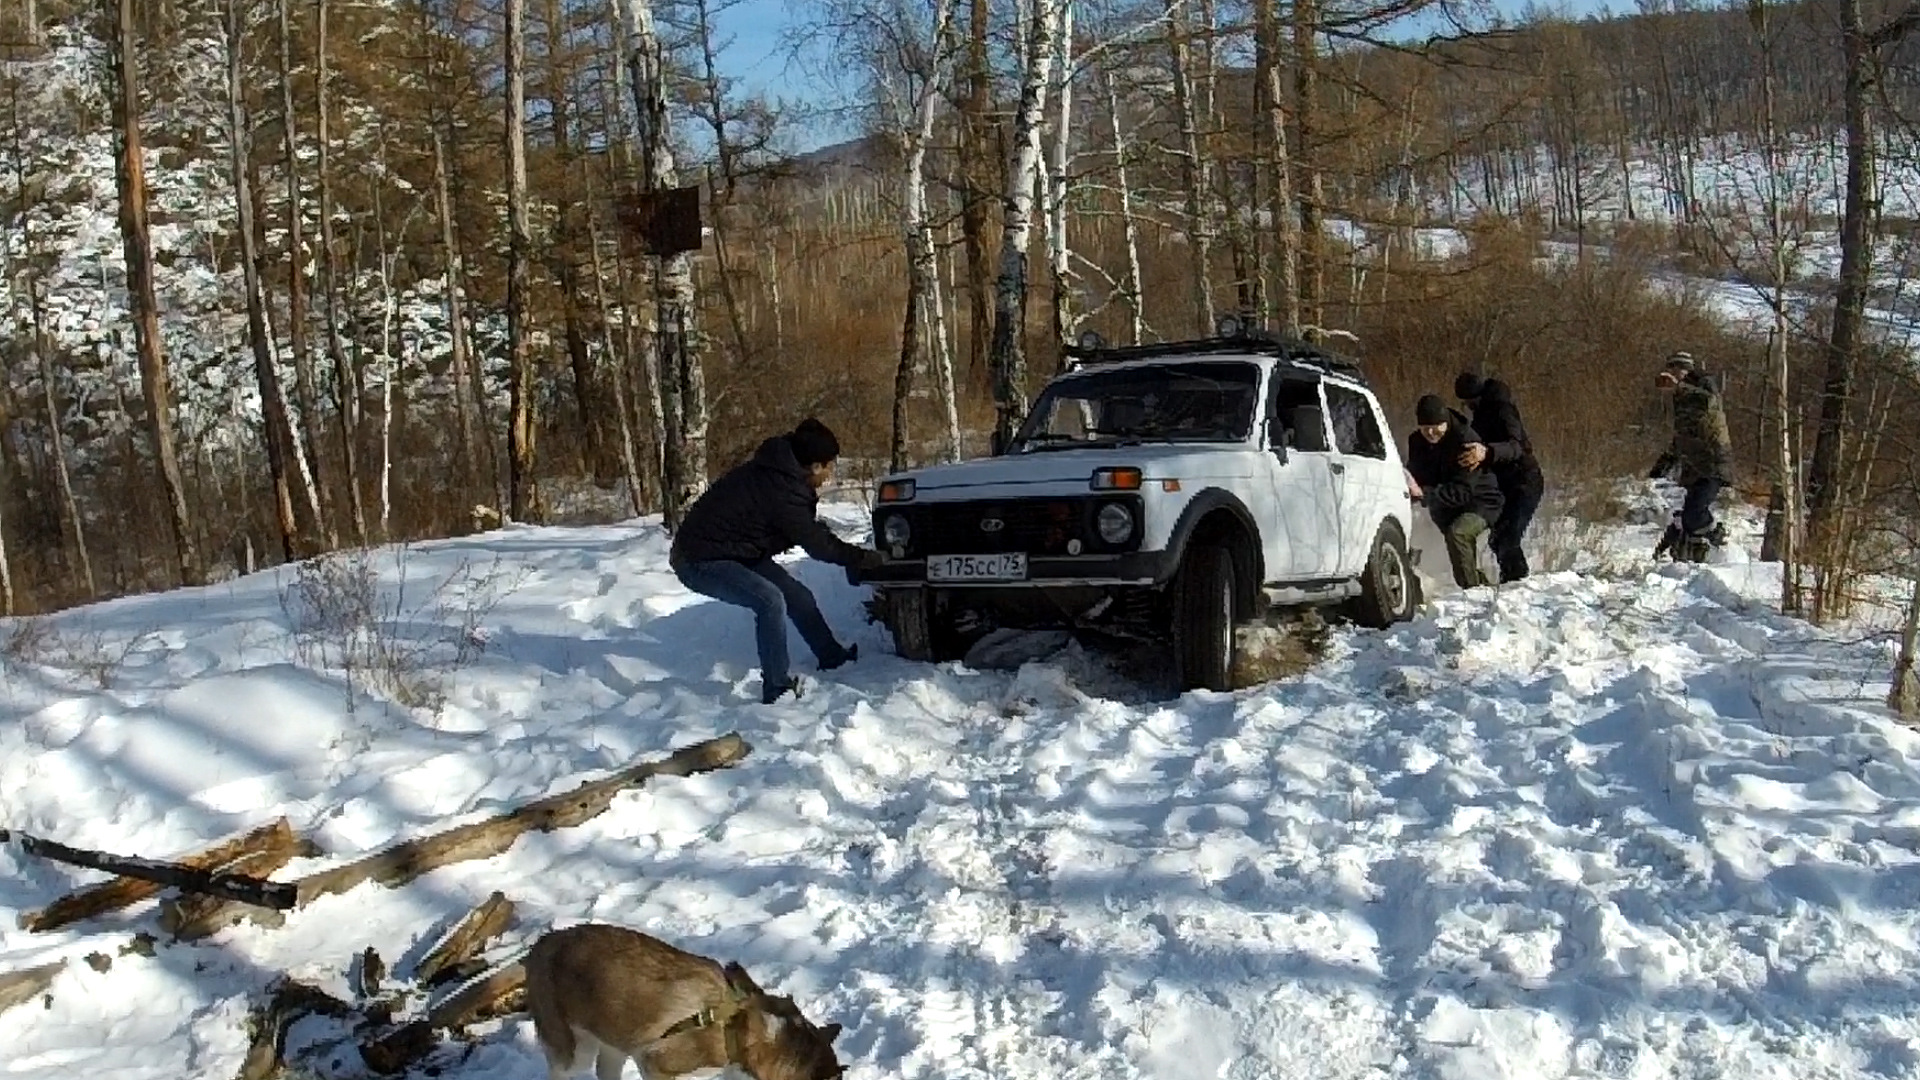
{"x": 773, "y": 596}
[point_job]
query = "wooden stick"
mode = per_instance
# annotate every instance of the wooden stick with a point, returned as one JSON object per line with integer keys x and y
{"x": 29, "y": 983}
{"x": 402, "y": 862}
{"x": 493, "y": 993}
{"x": 123, "y": 891}
{"x": 486, "y": 921}
{"x": 196, "y": 916}
{"x": 241, "y": 887}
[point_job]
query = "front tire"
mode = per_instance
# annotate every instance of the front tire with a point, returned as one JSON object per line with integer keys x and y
{"x": 918, "y": 632}
{"x": 1203, "y": 623}
{"x": 1389, "y": 589}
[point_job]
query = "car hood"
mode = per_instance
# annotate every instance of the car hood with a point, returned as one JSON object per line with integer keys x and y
{"x": 1058, "y": 467}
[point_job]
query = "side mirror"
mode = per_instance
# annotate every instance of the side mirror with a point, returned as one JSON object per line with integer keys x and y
{"x": 1309, "y": 429}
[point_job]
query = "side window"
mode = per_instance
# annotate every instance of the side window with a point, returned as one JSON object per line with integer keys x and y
{"x": 1288, "y": 394}
{"x": 1355, "y": 429}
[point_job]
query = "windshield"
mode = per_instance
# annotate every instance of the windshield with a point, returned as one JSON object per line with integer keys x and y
{"x": 1202, "y": 401}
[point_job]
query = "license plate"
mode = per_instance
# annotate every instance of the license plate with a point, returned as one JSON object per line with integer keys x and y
{"x": 1011, "y": 566}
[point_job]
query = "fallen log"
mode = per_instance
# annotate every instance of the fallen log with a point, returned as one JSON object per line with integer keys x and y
{"x": 287, "y": 1002}
{"x": 451, "y": 958}
{"x": 493, "y": 993}
{"x": 195, "y": 915}
{"x": 228, "y": 886}
{"x": 404, "y": 861}
{"x": 122, "y": 891}
{"x": 28, "y": 983}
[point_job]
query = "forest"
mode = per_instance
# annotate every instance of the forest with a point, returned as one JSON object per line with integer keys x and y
{"x": 286, "y": 275}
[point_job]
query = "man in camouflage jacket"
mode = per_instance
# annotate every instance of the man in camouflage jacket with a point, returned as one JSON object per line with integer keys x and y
{"x": 1700, "y": 458}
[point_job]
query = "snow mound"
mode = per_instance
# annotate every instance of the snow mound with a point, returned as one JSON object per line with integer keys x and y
{"x": 1575, "y": 827}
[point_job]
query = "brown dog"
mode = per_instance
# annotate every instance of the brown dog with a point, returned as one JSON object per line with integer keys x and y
{"x": 611, "y": 993}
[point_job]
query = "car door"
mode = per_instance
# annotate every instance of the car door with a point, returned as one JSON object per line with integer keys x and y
{"x": 1301, "y": 465}
{"x": 1364, "y": 476}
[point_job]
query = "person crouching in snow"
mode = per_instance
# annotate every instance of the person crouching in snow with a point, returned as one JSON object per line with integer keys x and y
{"x": 1464, "y": 501}
{"x": 725, "y": 546}
{"x": 1700, "y": 457}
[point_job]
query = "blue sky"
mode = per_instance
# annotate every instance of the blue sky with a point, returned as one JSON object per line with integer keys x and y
{"x": 763, "y": 32}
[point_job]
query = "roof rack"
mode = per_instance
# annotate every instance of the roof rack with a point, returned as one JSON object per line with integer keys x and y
{"x": 1232, "y": 335}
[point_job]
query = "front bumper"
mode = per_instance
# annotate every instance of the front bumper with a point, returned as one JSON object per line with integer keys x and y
{"x": 1132, "y": 568}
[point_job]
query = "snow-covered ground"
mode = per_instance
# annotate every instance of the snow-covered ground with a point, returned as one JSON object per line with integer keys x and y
{"x": 1627, "y": 824}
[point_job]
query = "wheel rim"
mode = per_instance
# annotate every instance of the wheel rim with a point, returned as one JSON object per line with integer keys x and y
{"x": 1393, "y": 579}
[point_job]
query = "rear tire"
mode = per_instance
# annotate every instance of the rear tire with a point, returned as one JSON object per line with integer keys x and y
{"x": 1203, "y": 622}
{"x": 1389, "y": 589}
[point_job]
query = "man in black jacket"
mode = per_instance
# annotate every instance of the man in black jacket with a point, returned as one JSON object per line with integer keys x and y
{"x": 725, "y": 546}
{"x": 1464, "y": 502}
{"x": 1507, "y": 452}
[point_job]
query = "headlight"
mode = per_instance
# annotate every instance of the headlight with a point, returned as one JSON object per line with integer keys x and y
{"x": 1115, "y": 523}
{"x": 895, "y": 530}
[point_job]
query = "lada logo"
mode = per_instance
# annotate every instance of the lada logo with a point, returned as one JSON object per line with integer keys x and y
{"x": 992, "y": 524}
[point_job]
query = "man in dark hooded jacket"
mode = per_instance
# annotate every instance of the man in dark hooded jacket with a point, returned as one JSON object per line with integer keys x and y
{"x": 725, "y": 545}
{"x": 1507, "y": 452}
{"x": 1464, "y": 502}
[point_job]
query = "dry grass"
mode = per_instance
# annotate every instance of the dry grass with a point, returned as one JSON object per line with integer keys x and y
{"x": 345, "y": 620}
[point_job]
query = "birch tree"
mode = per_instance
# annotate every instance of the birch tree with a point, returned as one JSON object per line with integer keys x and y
{"x": 523, "y": 501}
{"x": 676, "y": 332}
{"x": 305, "y": 386}
{"x": 1009, "y": 355}
{"x": 911, "y": 81}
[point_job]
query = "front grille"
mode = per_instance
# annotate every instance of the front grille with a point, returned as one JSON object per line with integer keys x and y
{"x": 1035, "y": 526}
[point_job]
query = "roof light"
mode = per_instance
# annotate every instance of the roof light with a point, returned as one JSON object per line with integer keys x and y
{"x": 1228, "y": 326}
{"x": 1090, "y": 340}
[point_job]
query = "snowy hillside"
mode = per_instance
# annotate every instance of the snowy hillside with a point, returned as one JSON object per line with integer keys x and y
{"x": 1624, "y": 826}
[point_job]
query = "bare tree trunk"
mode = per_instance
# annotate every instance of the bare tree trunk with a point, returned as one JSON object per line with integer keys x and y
{"x": 1786, "y": 537}
{"x": 305, "y": 386}
{"x": 565, "y": 257}
{"x": 273, "y": 408}
{"x": 523, "y": 498}
{"x": 1129, "y": 227}
{"x": 683, "y": 386}
{"x": 922, "y": 270}
{"x": 76, "y": 535}
{"x": 629, "y": 460}
{"x": 1059, "y": 250}
{"x": 465, "y": 380}
{"x": 978, "y": 165}
{"x": 138, "y": 249}
{"x": 7, "y": 599}
{"x": 1904, "y": 695}
{"x": 389, "y": 309}
{"x": 1009, "y": 356}
{"x": 1824, "y": 479}
{"x": 346, "y": 378}
{"x": 1193, "y": 167}
{"x": 1306, "y": 111}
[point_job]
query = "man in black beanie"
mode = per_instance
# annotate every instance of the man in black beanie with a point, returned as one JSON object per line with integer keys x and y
{"x": 725, "y": 546}
{"x": 1507, "y": 452}
{"x": 1464, "y": 502}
